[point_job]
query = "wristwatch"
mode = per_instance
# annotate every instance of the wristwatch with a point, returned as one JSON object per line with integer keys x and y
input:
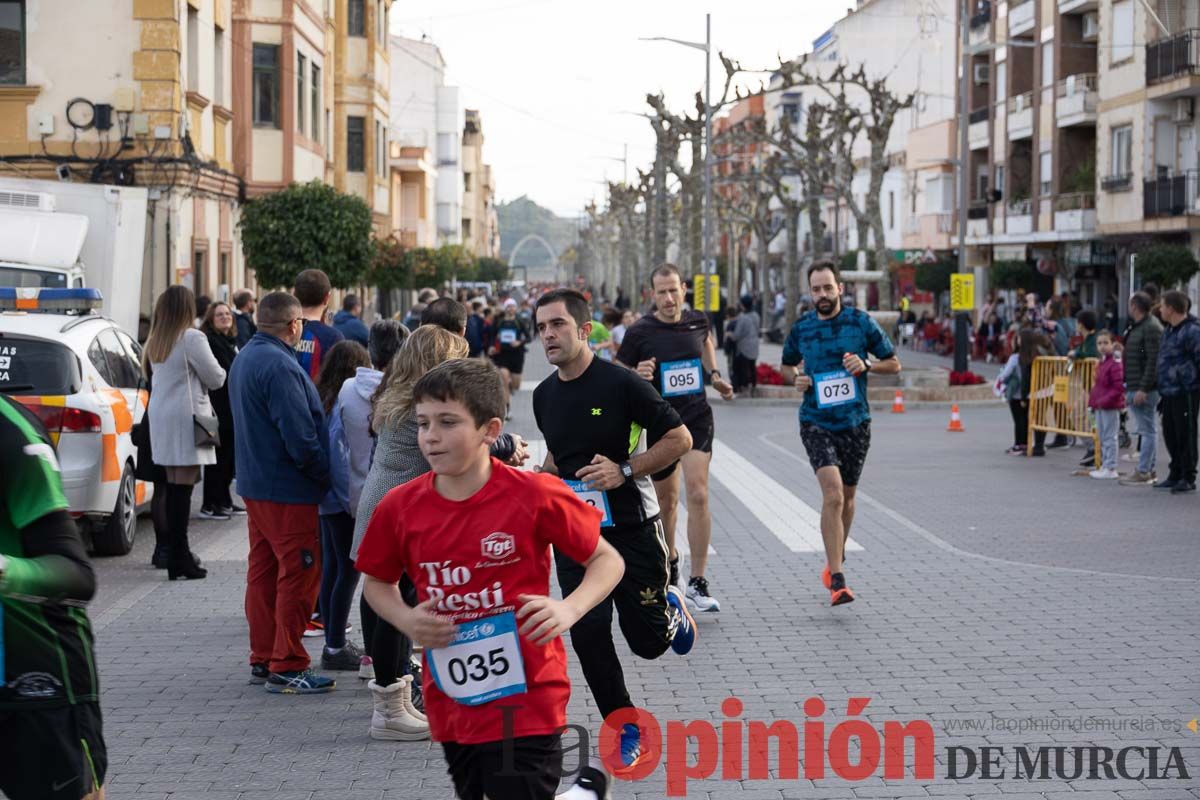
{"x": 627, "y": 470}
{"x": 716, "y": 373}
{"x": 866, "y": 366}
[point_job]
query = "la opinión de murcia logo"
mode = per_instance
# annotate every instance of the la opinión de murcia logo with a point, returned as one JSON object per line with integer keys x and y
{"x": 742, "y": 750}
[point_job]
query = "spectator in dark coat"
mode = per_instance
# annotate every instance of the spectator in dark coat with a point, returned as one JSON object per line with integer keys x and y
{"x": 221, "y": 330}
{"x": 1179, "y": 385}
{"x": 348, "y": 321}
{"x": 244, "y": 304}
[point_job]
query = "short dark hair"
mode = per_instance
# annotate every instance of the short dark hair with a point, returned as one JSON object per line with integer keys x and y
{"x": 312, "y": 287}
{"x": 576, "y": 303}
{"x": 350, "y": 302}
{"x": 1178, "y": 301}
{"x": 385, "y": 338}
{"x": 471, "y": 381}
{"x": 612, "y": 317}
{"x": 1105, "y": 332}
{"x": 666, "y": 270}
{"x": 445, "y": 312}
{"x": 1087, "y": 318}
{"x": 242, "y": 298}
{"x": 820, "y": 265}
{"x": 1142, "y": 301}
{"x": 276, "y": 309}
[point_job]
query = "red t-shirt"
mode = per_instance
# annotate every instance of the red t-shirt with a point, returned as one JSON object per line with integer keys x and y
{"x": 495, "y": 546}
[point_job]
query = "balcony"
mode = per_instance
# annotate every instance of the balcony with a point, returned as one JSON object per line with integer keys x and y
{"x": 1171, "y": 195}
{"x": 978, "y": 213}
{"x": 1076, "y": 103}
{"x": 1117, "y": 183}
{"x": 1077, "y": 6}
{"x": 1020, "y": 116}
{"x": 1075, "y": 212}
{"x": 982, "y": 15}
{"x": 1020, "y": 18}
{"x": 979, "y": 132}
{"x": 1019, "y": 218}
{"x": 1173, "y": 57}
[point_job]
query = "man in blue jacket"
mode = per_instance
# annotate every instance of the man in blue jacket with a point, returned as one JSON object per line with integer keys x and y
{"x": 1179, "y": 385}
{"x": 282, "y": 459}
{"x": 348, "y": 321}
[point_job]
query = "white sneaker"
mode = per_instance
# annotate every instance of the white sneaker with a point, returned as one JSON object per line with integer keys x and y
{"x": 391, "y": 719}
{"x": 698, "y": 598}
{"x": 593, "y": 783}
{"x": 1104, "y": 474}
{"x": 366, "y": 669}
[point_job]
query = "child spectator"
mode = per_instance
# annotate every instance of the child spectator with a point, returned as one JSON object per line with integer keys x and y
{"x": 1008, "y": 386}
{"x": 1107, "y": 398}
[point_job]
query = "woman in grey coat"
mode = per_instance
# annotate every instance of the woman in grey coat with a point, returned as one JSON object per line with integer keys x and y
{"x": 184, "y": 371}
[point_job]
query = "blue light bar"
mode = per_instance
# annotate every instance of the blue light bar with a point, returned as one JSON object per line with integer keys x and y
{"x": 39, "y": 299}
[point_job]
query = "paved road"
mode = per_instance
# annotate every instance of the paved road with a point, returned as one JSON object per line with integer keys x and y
{"x": 993, "y": 593}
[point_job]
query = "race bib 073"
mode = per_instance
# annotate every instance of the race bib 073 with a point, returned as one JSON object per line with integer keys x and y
{"x": 596, "y": 498}
{"x": 482, "y": 664}
{"x": 835, "y": 388}
{"x": 682, "y": 377}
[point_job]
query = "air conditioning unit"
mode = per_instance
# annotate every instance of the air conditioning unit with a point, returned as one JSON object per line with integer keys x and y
{"x": 983, "y": 74}
{"x": 39, "y": 201}
{"x": 1184, "y": 109}
{"x": 1091, "y": 26}
{"x": 1018, "y": 104}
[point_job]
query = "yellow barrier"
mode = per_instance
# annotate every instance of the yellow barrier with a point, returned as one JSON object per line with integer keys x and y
{"x": 1058, "y": 398}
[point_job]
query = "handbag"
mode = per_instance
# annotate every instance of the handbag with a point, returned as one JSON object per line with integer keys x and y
{"x": 205, "y": 428}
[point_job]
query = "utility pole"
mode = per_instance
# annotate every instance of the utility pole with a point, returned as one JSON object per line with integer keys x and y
{"x": 961, "y": 322}
{"x": 710, "y": 263}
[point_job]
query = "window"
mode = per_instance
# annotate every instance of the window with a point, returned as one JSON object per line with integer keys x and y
{"x": 1048, "y": 64}
{"x": 380, "y": 21}
{"x": 1001, "y": 81}
{"x": 40, "y": 367}
{"x": 445, "y": 149}
{"x": 892, "y": 210}
{"x": 328, "y": 136}
{"x": 95, "y": 354}
{"x": 315, "y": 88}
{"x": 466, "y": 181}
{"x": 266, "y": 85}
{"x": 354, "y": 144}
{"x": 12, "y": 42}
{"x": 981, "y": 182}
{"x": 380, "y": 149}
{"x": 1122, "y": 151}
{"x": 999, "y": 184}
{"x": 223, "y": 269}
{"x": 1122, "y": 31}
{"x": 301, "y": 97}
{"x": 199, "y": 271}
{"x": 1045, "y": 179}
{"x": 122, "y": 372}
{"x": 218, "y": 67}
{"x": 193, "y": 49}
{"x": 355, "y": 13}
{"x": 466, "y": 228}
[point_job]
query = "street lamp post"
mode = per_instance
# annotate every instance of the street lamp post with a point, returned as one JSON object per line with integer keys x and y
{"x": 961, "y": 322}
{"x": 709, "y": 264}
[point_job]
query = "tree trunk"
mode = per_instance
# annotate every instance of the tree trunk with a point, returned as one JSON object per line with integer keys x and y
{"x": 764, "y": 257}
{"x": 791, "y": 277}
{"x": 686, "y": 212}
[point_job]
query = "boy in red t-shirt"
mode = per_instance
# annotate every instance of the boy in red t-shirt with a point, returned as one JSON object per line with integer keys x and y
{"x": 474, "y": 536}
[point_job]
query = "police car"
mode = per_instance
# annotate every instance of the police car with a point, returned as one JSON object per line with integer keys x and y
{"x": 81, "y": 375}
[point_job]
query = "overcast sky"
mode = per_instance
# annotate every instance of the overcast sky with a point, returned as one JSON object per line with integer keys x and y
{"x": 555, "y": 80}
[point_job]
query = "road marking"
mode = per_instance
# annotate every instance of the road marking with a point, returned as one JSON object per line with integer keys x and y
{"x": 792, "y": 521}
{"x": 127, "y": 601}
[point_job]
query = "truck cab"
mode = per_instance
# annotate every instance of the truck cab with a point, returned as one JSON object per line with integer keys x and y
{"x": 39, "y": 246}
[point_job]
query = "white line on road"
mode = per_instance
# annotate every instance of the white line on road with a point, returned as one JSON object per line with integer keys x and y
{"x": 127, "y": 601}
{"x": 793, "y": 522}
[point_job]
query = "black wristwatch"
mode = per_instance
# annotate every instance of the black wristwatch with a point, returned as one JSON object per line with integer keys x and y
{"x": 627, "y": 470}
{"x": 866, "y": 366}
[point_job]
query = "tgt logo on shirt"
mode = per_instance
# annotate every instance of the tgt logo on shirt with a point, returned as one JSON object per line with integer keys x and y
{"x": 442, "y": 576}
{"x": 497, "y": 546}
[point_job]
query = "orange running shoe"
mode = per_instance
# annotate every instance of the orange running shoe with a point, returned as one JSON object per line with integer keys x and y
{"x": 841, "y": 596}
{"x": 826, "y": 577}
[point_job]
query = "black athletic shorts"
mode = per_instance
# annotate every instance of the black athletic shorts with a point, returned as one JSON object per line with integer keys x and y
{"x": 530, "y": 770}
{"x": 846, "y": 450}
{"x": 511, "y": 360}
{"x": 52, "y": 753}
{"x": 703, "y": 431}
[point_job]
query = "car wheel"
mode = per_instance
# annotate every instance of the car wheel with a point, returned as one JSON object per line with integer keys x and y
{"x": 116, "y": 538}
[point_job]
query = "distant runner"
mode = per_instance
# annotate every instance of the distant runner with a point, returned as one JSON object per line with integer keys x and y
{"x": 831, "y": 347}
{"x": 674, "y": 350}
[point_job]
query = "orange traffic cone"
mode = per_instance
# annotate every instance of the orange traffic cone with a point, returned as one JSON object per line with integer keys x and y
{"x": 955, "y": 420}
{"x": 898, "y": 403}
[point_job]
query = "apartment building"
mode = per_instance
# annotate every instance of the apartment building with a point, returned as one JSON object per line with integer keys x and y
{"x": 154, "y": 104}
{"x": 480, "y": 225}
{"x": 426, "y": 146}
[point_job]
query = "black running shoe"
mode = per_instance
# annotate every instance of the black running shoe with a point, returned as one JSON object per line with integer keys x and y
{"x": 1183, "y": 487}
{"x": 259, "y": 674}
{"x": 345, "y": 660}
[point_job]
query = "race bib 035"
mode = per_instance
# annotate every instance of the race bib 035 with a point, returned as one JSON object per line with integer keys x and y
{"x": 682, "y": 377}
{"x": 835, "y": 388}
{"x": 482, "y": 664}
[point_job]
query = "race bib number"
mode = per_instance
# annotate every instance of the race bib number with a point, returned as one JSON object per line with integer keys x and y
{"x": 596, "y": 498}
{"x": 508, "y": 336}
{"x": 682, "y": 377}
{"x": 835, "y": 388}
{"x": 482, "y": 664}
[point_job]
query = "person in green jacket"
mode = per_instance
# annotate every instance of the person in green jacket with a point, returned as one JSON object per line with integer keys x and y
{"x": 1141, "y": 384}
{"x": 1086, "y": 323}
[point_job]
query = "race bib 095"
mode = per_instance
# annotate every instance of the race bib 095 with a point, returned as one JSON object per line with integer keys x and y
{"x": 682, "y": 377}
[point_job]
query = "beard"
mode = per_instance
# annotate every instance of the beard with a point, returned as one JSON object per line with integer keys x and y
{"x": 826, "y": 306}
